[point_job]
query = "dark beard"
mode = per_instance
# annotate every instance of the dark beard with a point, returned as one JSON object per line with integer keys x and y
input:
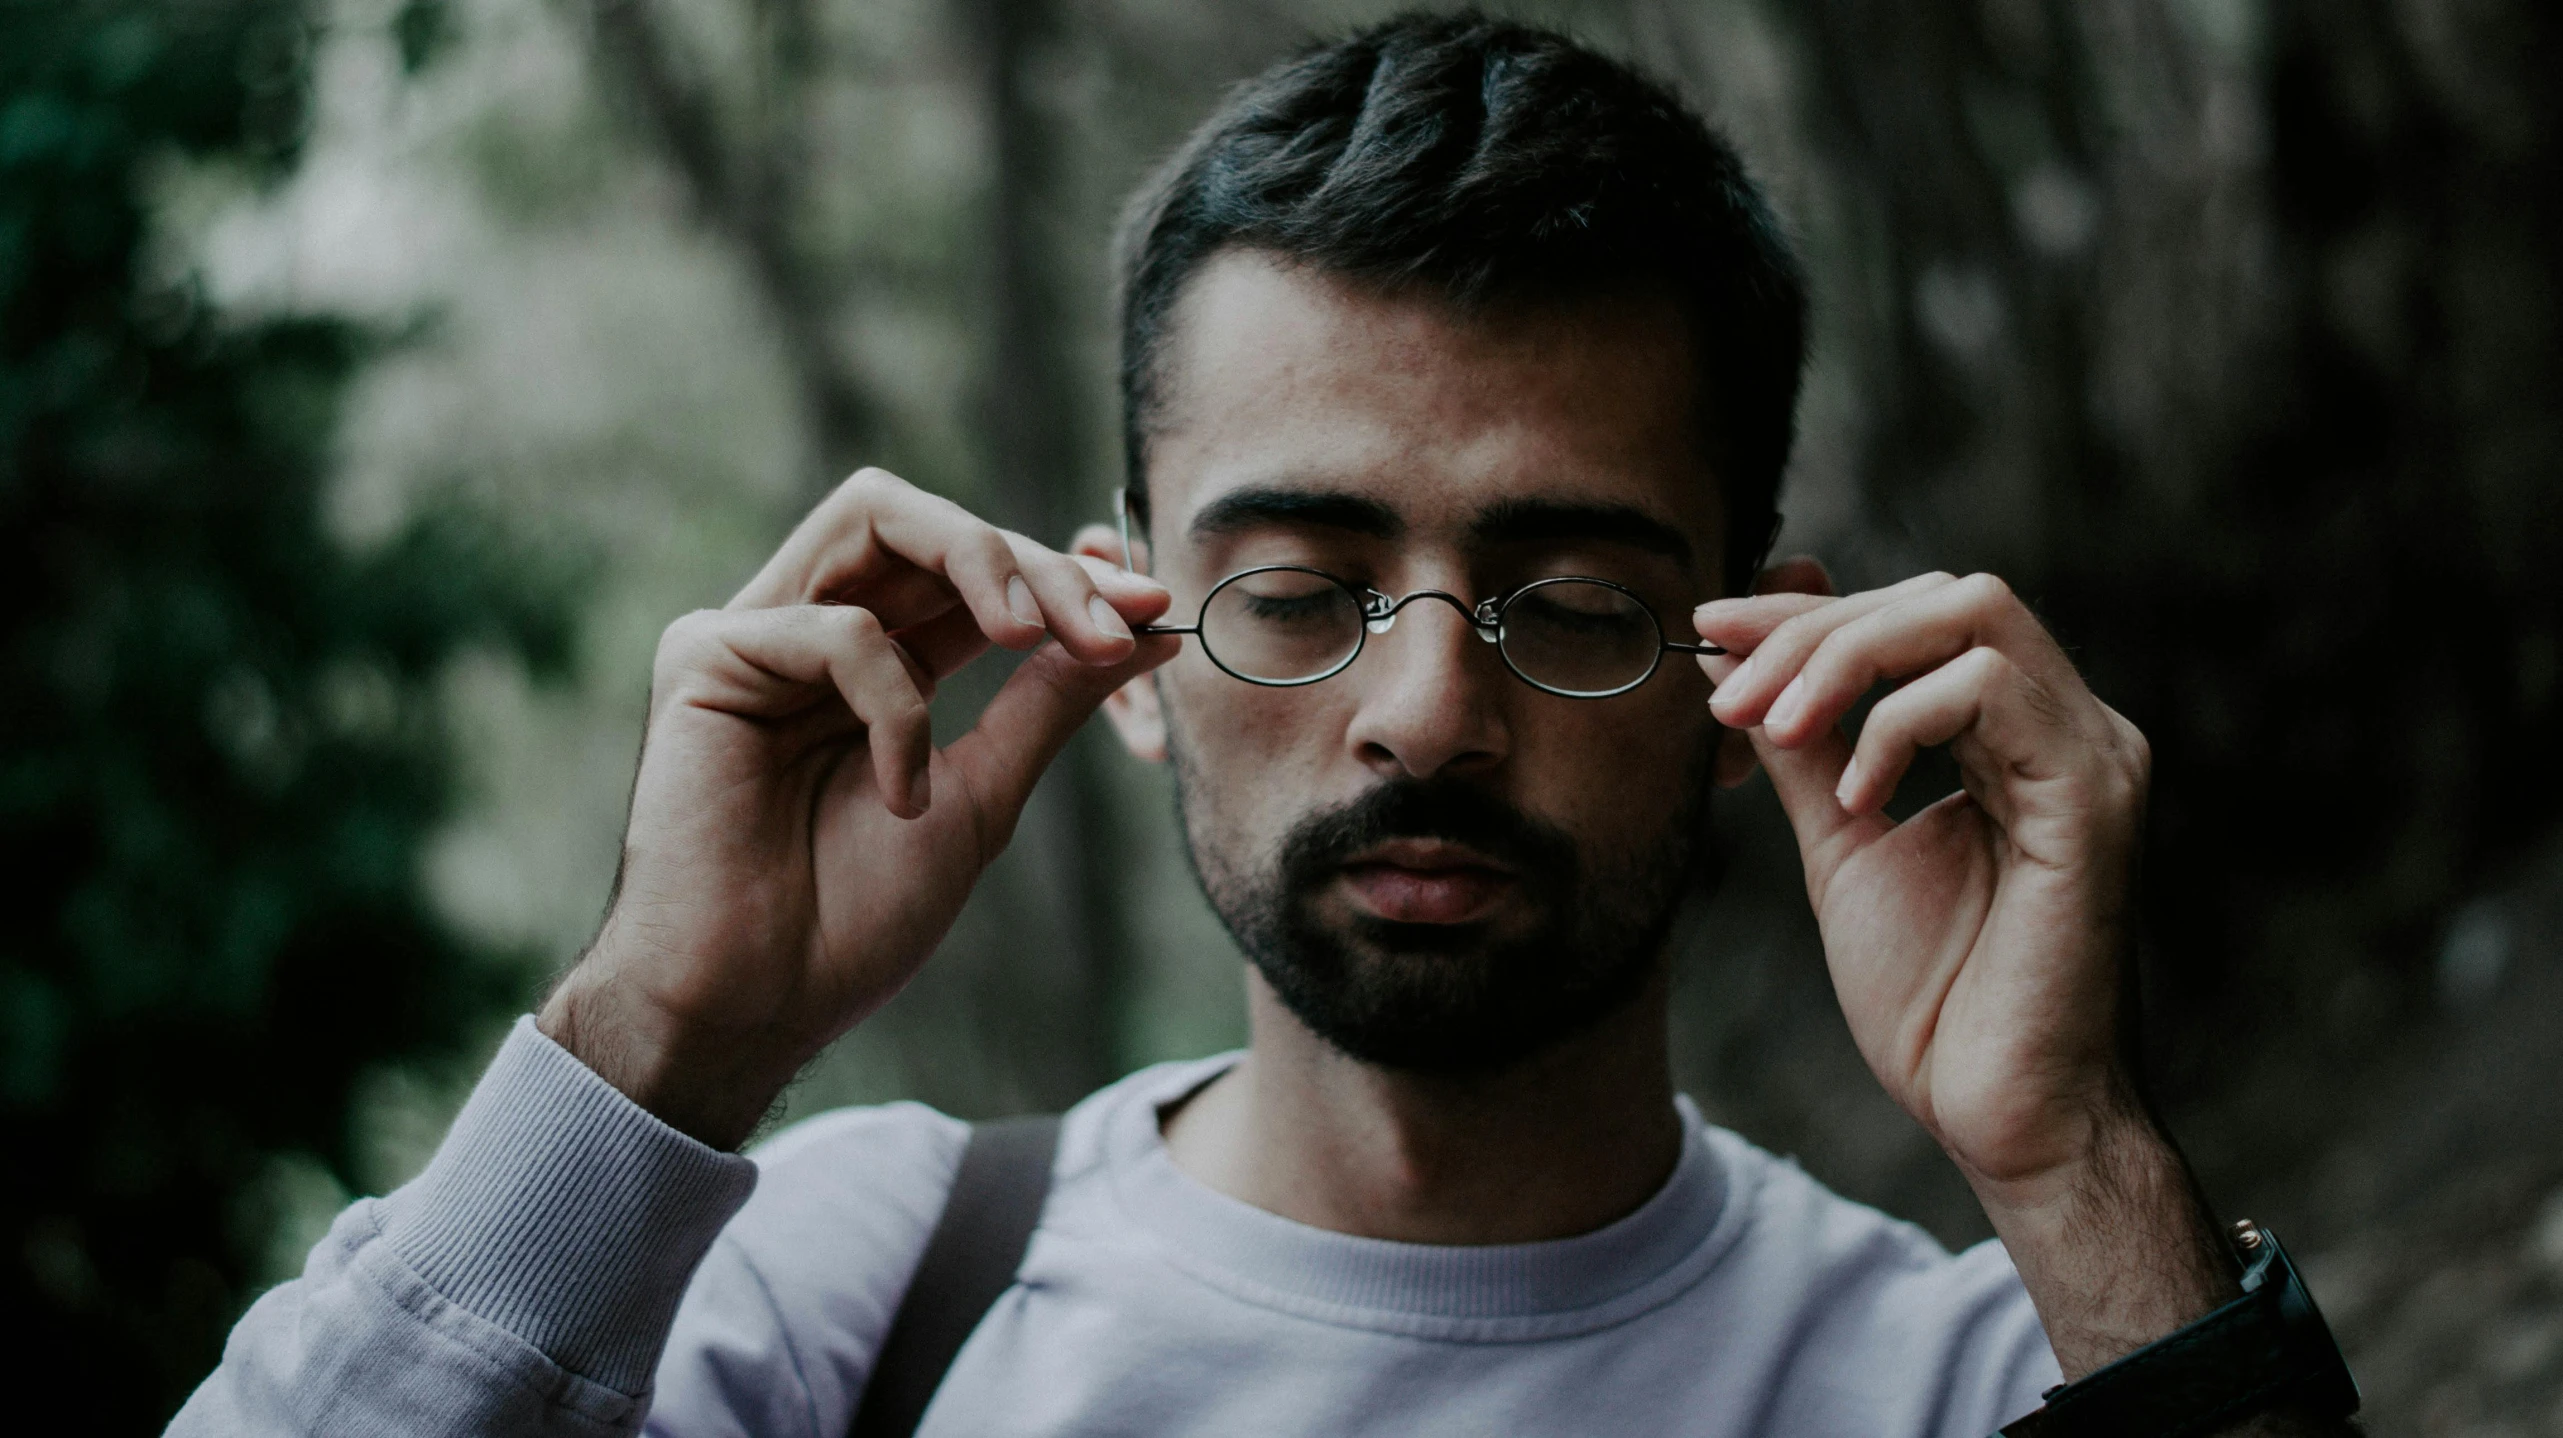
{"x": 1441, "y": 998}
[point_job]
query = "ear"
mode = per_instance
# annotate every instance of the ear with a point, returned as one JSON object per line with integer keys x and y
{"x": 1797, "y": 574}
{"x": 1136, "y": 714}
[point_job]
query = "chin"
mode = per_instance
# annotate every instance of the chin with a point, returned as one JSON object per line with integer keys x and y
{"x": 1446, "y": 999}
{"x": 1387, "y": 940}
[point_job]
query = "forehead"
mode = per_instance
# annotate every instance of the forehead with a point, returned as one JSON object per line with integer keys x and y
{"x": 1280, "y": 376}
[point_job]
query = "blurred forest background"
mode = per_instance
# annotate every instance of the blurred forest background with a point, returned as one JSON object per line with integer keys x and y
{"x": 377, "y": 377}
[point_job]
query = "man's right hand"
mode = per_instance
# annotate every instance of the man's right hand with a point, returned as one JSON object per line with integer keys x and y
{"x": 797, "y": 846}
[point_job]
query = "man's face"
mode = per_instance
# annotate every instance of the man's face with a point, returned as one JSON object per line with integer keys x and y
{"x": 1434, "y": 865}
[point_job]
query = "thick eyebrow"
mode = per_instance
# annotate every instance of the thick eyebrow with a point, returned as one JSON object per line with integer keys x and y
{"x": 1518, "y": 521}
{"x": 1328, "y": 508}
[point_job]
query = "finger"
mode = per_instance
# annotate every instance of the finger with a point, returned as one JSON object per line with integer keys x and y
{"x": 1802, "y": 575}
{"x": 1781, "y": 649}
{"x": 1805, "y": 779}
{"x": 1086, "y": 623}
{"x": 1139, "y": 597}
{"x": 952, "y": 639}
{"x": 1934, "y": 709}
{"x": 1743, "y": 623}
{"x": 805, "y": 647}
{"x": 1023, "y": 728}
{"x": 1719, "y": 668}
{"x": 1905, "y": 638}
{"x": 885, "y": 544}
{"x": 1739, "y": 630}
{"x": 2022, "y": 751}
{"x": 1740, "y": 625}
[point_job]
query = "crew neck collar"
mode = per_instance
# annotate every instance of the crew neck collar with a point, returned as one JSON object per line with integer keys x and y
{"x": 1493, "y": 1292}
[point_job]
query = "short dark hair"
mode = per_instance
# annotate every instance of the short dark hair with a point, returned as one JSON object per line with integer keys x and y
{"x": 1487, "y": 161}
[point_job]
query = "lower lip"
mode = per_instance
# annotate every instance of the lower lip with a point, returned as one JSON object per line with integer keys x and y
{"x": 1427, "y": 896}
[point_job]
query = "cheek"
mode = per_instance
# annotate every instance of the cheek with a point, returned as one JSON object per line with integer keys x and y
{"x": 1258, "y": 757}
{"x": 1616, "y": 771}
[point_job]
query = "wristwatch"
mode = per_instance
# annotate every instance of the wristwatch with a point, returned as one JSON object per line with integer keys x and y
{"x": 2268, "y": 1348}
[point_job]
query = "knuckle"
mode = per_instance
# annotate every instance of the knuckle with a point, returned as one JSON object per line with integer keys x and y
{"x": 1891, "y": 717}
{"x": 870, "y": 480}
{"x": 687, "y": 635}
{"x": 1986, "y": 589}
{"x": 858, "y": 624}
{"x": 1071, "y": 573}
{"x": 902, "y": 715}
{"x": 1033, "y": 554}
{"x": 2121, "y": 787}
{"x": 2133, "y": 744}
{"x": 1985, "y": 666}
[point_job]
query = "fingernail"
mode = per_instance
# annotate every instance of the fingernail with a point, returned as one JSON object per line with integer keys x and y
{"x": 1849, "y": 784}
{"x": 1107, "y": 618}
{"x": 1019, "y": 602}
{"x": 1785, "y": 708}
{"x": 921, "y": 792}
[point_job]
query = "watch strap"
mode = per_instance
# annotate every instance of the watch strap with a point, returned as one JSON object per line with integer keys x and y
{"x": 2268, "y": 1348}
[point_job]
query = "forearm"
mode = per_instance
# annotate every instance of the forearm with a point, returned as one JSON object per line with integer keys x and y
{"x": 2116, "y": 1250}
{"x": 2121, "y": 1250}
{"x": 523, "y": 1284}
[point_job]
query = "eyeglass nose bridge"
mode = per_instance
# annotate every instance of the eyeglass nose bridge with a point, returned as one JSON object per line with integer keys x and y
{"x": 1379, "y": 612}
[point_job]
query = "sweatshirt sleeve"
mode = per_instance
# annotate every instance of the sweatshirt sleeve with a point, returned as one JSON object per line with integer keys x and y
{"x": 523, "y": 1284}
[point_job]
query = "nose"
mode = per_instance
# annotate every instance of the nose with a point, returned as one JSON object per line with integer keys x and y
{"x": 1432, "y": 696}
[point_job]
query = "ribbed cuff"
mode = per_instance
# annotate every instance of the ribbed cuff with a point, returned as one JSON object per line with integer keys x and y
{"x": 565, "y": 1213}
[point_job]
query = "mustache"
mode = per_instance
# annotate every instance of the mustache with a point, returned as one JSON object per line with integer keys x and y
{"x": 1453, "y": 811}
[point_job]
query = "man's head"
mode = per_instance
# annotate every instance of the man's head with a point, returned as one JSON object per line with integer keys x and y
{"x": 1450, "y": 305}
{"x": 1483, "y": 162}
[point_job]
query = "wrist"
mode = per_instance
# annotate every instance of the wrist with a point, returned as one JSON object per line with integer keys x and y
{"x": 712, "y": 1086}
{"x": 2115, "y": 1243}
{"x": 2064, "y": 1149}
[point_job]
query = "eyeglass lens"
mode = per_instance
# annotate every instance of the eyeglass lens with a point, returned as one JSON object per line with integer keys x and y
{"x": 1282, "y": 626}
{"x": 1574, "y": 637}
{"x": 1579, "y": 638}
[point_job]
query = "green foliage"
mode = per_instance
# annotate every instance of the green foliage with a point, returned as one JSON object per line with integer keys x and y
{"x": 220, "y": 749}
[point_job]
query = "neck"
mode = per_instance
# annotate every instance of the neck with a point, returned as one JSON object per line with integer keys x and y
{"x": 1560, "y": 1144}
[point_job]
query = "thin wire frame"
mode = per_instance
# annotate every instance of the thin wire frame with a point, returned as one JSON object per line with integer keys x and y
{"x": 1378, "y": 611}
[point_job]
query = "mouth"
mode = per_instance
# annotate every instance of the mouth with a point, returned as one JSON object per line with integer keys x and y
{"x": 1426, "y": 881}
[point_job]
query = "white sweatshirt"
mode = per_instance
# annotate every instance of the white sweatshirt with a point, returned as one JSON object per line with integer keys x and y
{"x": 564, "y": 1245}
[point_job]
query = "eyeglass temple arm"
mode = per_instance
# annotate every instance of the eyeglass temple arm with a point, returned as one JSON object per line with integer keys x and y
{"x": 1693, "y": 648}
{"x": 1121, "y": 516}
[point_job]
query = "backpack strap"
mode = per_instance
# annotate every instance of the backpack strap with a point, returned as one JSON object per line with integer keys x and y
{"x": 970, "y": 1261}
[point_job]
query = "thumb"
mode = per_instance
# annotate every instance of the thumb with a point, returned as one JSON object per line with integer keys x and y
{"x": 1030, "y": 721}
{"x": 1805, "y": 779}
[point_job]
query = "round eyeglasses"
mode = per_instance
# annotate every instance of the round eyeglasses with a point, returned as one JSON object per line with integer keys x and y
{"x": 1285, "y": 625}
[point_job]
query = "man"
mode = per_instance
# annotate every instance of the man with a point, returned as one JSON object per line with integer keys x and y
{"x": 1459, "y": 370}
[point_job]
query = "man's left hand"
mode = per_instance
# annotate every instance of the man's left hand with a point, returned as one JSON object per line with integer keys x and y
{"x": 1979, "y": 947}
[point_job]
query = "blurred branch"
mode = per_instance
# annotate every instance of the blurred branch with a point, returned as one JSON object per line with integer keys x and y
{"x": 1029, "y": 413}
{"x": 749, "y": 199}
